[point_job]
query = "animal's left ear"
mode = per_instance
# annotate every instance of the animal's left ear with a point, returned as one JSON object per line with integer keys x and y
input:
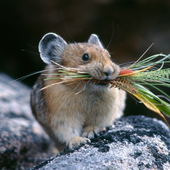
{"x": 94, "y": 39}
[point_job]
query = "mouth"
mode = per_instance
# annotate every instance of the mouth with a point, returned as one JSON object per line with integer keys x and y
{"x": 101, "y": 82}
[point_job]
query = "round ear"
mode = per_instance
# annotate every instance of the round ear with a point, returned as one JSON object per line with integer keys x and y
{"x": 93, "y": 39}
{"x": 51, "y": 47}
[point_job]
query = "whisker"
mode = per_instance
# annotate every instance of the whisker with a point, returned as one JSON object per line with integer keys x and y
{"x": 32, "y": 74}
{"x": 67, "y": 31}
{"x": 116, "y": 39}
{"x": 29, "y": 75}
{"x": 38, "y": 72}
{"x": 29, "y": 52}
{"x": 111, "y": 37}
{"x": 32, "y": 46}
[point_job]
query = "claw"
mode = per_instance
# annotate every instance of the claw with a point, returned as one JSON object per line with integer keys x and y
{"x": 76, "y": 141}
{"x": 90, "y": 131}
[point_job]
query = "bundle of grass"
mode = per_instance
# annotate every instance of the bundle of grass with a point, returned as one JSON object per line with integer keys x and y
{"x": 132, "y": 79}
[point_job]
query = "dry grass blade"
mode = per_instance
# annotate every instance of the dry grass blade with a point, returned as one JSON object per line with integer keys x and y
{"x": 132, "y": 79}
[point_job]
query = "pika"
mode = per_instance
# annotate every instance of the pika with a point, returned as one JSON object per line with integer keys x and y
{"x": 71, "y": 119}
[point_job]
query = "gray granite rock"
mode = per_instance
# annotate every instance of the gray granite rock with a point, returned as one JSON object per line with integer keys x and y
{"x": 23, "y": 143}
{"x": 133, "y": 143}
{"x": 14, "y": 99}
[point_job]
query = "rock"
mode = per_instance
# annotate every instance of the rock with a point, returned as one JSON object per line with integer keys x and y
{"x": 134, "y": 142}
{"x": 23, "y": 143}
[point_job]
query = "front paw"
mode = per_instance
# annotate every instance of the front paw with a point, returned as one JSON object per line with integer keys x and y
{"x": 76, "y": 141}
{"x": 90, "y": 131}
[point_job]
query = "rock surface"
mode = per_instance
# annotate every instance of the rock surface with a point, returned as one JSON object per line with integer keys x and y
{"x": 23, "y": 143}
{"x": 134, "y": 142}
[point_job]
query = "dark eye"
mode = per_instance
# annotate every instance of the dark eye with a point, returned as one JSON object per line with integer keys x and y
{"x": 85, "y": 57}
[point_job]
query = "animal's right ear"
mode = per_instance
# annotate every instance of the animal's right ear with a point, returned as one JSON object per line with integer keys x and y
{"x": 51, "y": 47}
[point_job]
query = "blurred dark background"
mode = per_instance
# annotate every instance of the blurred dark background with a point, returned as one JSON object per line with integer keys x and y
{"x": 129, "y": 27}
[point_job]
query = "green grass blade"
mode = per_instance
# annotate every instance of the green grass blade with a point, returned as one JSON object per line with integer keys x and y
{"x": 159, "y": 103}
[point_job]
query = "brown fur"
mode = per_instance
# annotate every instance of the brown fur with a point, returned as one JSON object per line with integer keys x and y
{"x": 72, "y": 113}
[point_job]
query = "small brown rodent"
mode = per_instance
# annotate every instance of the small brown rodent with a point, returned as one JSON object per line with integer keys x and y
{"x": 73, "y": 113}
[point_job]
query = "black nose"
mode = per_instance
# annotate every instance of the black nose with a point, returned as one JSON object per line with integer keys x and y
{"x": 108, "y": 69}
{"x": 107, "y": 73}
